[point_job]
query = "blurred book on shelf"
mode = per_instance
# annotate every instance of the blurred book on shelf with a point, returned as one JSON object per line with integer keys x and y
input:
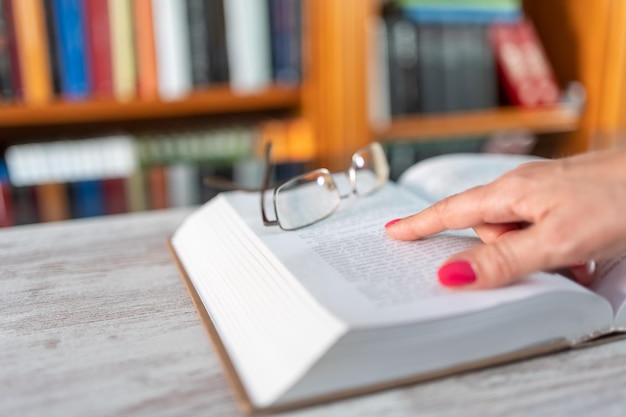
{"x": 53, "y": 181}
{"x": 68, "y": 48}
{"x": 9, "y": 73}
{"x": 6, "y": 202}
{"x": 29, "y": 22}
{"x": 462, "y": 11}
{"x": 453, "y": 55}
{"x": 438, "y": 60}
{"x": 129, "y": 49}
{"x": 524, "y": 70}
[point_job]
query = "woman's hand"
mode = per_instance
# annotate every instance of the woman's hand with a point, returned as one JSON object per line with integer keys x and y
{"x": 541, "y": 216}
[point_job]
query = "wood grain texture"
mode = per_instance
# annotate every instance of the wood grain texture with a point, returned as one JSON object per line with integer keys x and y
{"x": 96, "y": 321}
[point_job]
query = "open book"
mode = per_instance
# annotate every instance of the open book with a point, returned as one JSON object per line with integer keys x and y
{"x": 338, "y": 308}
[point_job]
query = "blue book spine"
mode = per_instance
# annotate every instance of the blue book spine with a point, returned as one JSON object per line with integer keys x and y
{"x": 88, "y": 198}
{"x": 69, "y": 16}
{"x": 277, "y": 36}
{"x": 434, "y": 14}
{"x": 4, "y": 172}
{"x": 6, "y": 199}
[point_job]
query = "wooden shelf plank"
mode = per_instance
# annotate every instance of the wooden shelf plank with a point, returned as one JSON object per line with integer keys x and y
{"x": 216, "y": 100}
{"x": 561, "y": 118}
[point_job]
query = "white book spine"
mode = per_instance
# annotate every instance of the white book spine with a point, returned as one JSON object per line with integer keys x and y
{"x": 183, "y": 188}
{"x": 68, "y": 161}
{"x": 378, "y": 74}
{"x": 248, "y": 44}
{"x": 171, "y": 35}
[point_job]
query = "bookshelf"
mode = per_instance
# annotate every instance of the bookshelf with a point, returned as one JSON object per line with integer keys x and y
{"x": 333, "y": 94}
{"x": 584, "y": 42}
{"x": 587, "y": 44}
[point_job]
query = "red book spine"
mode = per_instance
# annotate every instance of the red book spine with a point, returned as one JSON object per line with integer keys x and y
{"x": 539, "y": 68}
{"x": 157, "y": 186}
{"x": 99, "y": 46}
{"x": 512, "y": 67}
{"x": 114, "y": 190}
{"x": 16, "y": 69}
{"x": 6, "y": 205}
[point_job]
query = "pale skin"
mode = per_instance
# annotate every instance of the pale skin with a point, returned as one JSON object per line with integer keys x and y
{"x": 545, "y": 215}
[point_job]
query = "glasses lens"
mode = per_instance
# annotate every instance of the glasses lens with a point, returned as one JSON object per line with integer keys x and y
{"x": 370, "y": 168}
{"x": 306, "y": 199}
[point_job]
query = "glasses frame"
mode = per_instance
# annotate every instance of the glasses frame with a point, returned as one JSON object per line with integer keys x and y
{"x": 350, "y": 172}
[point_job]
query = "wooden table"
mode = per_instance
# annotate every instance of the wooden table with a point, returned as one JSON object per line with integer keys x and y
{"x": 95, "y": 321}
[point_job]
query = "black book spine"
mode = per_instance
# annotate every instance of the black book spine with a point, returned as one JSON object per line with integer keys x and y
{"x": 276, "y": 13}
{"x": 7, "y": 9}
{"x": 431, "y": 80}
{"x": 53, "y": 48}
{"x": 403, "y": 66}
{"x": 198, "y": 41}
{"x": 6, "y": 76}
{"x": 25, "y": 205}
{"x": 487, "y": 68}
{"x": 453, "y": 51}
{"x": 469, "y": 77}
{"x": 218, "y": 55}
{"x": 292, "y": 73}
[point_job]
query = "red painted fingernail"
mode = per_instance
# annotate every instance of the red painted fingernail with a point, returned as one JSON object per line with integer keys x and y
{"x": 391, "y": 223}
{"x": 455, "y": 274}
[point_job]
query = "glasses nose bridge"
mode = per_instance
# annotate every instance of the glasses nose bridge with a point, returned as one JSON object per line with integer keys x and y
{"x": 347, "y": 192}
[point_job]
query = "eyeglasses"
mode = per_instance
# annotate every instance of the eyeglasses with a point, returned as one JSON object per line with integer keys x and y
{"x": 313, "y": 196}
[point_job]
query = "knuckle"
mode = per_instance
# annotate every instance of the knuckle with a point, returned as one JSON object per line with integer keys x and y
{"x": 514, "y": 182}
{"x": 441, "y": 209}
{"x": 500, "y": 266}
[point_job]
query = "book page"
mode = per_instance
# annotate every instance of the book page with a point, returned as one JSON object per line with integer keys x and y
{"x": 610, "y": 283}
{"x": 439, "y": 177}
{"x": 351, "y": 267}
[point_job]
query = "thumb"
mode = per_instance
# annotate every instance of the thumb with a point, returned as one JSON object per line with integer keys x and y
{"x": 494, "y": 264}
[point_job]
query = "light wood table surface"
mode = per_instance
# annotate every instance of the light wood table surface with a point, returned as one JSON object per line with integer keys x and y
{"x": 95, "y": 321}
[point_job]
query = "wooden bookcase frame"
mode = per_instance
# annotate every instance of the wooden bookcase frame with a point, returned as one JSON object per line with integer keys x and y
{"x": 585, "y": 41}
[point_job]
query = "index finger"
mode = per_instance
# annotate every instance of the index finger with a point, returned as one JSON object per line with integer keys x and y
{"x": 476, "y": 206}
